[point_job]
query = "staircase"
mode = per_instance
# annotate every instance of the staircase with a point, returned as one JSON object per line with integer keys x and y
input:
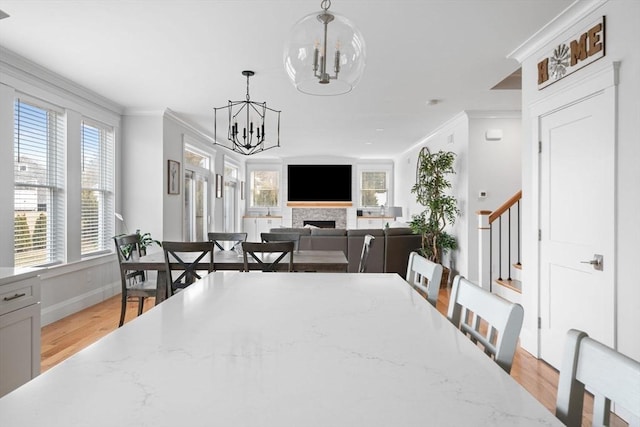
{"x": 499, "y": 259}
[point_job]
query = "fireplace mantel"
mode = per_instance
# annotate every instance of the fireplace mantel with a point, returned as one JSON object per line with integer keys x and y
{"x": 319, "y": 204}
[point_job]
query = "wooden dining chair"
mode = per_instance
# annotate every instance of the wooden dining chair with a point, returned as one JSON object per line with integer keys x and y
{"x": 424, "y": 276}
{"x": 609, "y": 375}
{"x": 218, "y": 238}
{"x": 489, "y": 320}
{"x": 189, "y": 260}
{"x": 364, "y": 256}
{"x": 282, "y": 237}
{"x": 135, "y": 283}
{"x": 256, "y": 251}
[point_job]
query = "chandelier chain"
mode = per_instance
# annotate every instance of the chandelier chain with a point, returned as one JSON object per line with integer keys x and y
{"x": 248, "y": 87}
{"x": 326, "y": 4}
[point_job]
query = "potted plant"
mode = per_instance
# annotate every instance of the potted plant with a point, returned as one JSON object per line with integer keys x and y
{"x": 441, "y": 209}
{"x": 145, "y": 240}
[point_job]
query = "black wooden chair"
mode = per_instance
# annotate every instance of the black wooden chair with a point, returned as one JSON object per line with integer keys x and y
{"x": 219, "y": 237}
{"x": 135, "y": 283}
{"x": 189, "y": 260}
{"x": 257, "y": 251}
{"x": 366, "y": 247}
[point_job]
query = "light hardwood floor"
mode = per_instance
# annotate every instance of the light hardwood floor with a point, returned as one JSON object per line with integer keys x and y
{"x": 67, "y": 336}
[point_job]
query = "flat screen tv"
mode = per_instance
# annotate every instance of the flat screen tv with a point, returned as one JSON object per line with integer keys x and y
{"x": 319, "y": 183}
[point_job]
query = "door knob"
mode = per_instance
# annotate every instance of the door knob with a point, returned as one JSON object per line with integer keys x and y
{"x": 596, "y": 262}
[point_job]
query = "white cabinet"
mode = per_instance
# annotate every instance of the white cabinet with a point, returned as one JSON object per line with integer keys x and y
{"x": 254, "y": 225}
{"x": 19, "y": 327}
{"x": 373, "y": 221}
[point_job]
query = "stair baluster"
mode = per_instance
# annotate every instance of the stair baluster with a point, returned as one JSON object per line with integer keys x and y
{"x": 487, "y": 221}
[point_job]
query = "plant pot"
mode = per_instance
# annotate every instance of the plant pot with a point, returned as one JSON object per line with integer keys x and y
{"x": 444, "y": 281}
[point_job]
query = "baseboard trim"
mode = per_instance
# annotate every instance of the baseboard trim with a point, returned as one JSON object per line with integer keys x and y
{"x": 73, "y": 305}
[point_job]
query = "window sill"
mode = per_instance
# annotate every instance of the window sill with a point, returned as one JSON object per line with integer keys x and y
{"x": 72, "y": 267}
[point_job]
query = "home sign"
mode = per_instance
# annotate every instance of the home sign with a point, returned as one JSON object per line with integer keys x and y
{"x": 572, "y": 55}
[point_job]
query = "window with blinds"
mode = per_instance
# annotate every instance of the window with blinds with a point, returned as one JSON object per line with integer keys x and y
{"x": 97, "y": 188}
{"x": 265, "y": 188}
{"x": 373, "y": 188}
{"x": 38, "y": 184}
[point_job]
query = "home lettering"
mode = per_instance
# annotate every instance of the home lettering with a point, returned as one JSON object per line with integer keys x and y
{"x": 589, "y": 44}
{"x": 567, "y": 56}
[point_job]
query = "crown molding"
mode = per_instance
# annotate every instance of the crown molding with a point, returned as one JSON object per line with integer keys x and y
{"x": 143, "y": 112}
{"x": 435, "y": 132}
{"x": 554, "y": 28}
{"x": 170, "y": 114}
{"x": 498, "y": 114}
{"x": 29, "y": 72}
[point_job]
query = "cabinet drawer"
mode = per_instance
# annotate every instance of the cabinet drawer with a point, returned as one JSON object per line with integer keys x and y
{"x": 16, "y": 295}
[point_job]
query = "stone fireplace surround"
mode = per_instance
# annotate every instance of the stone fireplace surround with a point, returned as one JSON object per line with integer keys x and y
{"x": 299, "y": 215}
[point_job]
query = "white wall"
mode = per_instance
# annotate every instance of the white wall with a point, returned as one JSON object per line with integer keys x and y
{"x": 149, "y": 140}
{"x": 494, "y": 167}
{"x": 142, "y": 179}
{"x": 622, "y": 35}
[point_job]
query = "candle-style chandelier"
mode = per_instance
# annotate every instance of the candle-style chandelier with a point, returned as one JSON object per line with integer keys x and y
{"x": 252, "y": 138}
{"x": 325, "y": 54}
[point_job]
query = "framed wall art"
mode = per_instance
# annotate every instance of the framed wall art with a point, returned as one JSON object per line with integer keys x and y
{"x": 173, "y": 186}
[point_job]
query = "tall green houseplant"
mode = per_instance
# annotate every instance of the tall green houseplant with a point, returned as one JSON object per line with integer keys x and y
{"x": 441, "y": 209}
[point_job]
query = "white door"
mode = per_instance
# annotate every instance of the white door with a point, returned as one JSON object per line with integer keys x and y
{"x": 577, "y": 196}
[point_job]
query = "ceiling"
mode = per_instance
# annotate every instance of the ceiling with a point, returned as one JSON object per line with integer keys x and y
{"x": 187, "y": 55}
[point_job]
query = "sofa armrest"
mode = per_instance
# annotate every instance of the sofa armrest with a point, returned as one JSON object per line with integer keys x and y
{"x": 399, "y": 243}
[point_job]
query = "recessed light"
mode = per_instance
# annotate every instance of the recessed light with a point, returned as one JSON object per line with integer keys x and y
{"x": 380, "y": 130}
{"x": 433, "y": 101}
{"x": 368, "y": 143}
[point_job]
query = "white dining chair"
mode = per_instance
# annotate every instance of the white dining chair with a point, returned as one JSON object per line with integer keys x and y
{"x": 487, "y": 319}
{"x": 424, "y": 275}
{"x": 608, "y": 375}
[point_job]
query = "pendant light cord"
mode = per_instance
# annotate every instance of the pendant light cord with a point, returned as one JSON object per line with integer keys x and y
{"x": 248, "y": 88}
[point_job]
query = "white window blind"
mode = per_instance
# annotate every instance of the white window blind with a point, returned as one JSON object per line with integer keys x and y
{"x": 373, "y": 188}
{"x": 265, "y": 188}
{"x": 38, "y": 184}
{"x": 97, "y": 188}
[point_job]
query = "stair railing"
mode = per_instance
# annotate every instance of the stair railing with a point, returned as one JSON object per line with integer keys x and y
{"x": 492, "y": 238}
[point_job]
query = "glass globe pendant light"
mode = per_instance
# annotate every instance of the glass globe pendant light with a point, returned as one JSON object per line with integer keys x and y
{"x": 325, "y": 54}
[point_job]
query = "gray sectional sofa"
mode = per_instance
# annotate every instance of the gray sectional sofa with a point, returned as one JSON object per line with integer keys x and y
{"x": 389, "y": 251}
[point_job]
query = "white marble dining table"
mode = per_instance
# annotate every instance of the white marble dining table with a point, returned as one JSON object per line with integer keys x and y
{"x": 280, "y": 349}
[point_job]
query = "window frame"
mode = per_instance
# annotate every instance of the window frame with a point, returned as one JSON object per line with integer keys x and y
{"x": 106, "y": 179}
{"x": 54, "y": 186}
{"x": 387, "y": 169}
{"x": 191, "y": 145}
{"x": 251, "y": 170}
